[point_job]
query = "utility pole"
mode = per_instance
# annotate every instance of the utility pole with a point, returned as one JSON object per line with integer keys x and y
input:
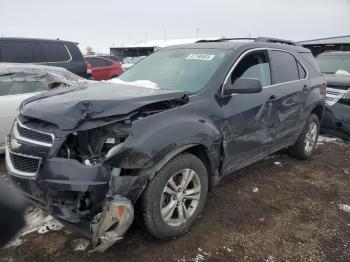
{"x": 146, "y": 36}
{"x": 164, "y": 35}
{"x": 197, "y": 32}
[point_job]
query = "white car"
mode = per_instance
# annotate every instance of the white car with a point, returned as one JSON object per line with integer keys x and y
{"x": 21, "y": 81}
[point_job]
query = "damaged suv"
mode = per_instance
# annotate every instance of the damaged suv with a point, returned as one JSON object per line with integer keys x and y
{"x": 154, "y": 142}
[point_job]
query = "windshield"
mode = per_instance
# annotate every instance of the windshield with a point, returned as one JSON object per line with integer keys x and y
{"x": 186, "y": 70}
{"x": 331, "y": 64}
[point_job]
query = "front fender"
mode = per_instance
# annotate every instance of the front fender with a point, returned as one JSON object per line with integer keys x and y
{"x": 153, "y": 138}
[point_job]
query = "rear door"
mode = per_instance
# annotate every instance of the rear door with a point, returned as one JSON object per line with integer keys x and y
{"x": 290, "y": 84}
{"x": 247, "y": 135}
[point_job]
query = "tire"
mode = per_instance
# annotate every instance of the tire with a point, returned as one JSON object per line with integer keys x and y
{"x": 300, "y": 149}
{"x": 155, "y": 200}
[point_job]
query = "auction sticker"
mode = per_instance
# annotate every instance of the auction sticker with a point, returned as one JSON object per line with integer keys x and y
{"x": 205, "y": 57}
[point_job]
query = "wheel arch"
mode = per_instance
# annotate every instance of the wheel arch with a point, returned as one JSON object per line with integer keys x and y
{"x": 319, "y": 112}
{"x": 208, "y": 158}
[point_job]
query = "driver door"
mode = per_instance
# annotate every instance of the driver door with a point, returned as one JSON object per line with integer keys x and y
{"x": 248, "y": 130}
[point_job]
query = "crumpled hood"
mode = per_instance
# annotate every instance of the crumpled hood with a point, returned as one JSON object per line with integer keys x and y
{"x": 68, "y": 107}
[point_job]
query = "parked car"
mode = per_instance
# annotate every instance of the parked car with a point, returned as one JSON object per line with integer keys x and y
{"x": 21, "y": 81}
{"x": 186, "y": 117}
{"x": 130, "y": 61}
{"x": 111, "y": 57}
{"x": 336, "y": 69}
{"x": 104, "y": 68}
{"x": 58, "y": 53}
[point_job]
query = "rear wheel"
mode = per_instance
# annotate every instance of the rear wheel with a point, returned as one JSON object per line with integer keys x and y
{"x": 305, "y": 145}
{"x": 174, "y": 199}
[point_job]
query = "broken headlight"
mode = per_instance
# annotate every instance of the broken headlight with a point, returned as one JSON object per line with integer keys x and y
{"x": 93, "y": 146}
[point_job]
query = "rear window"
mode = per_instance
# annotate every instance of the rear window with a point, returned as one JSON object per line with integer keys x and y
{"x": 285, "y": 66}
{"x": 55, "y": 52}
{"x": 97, "y": 62}
{"x": 331, "y": 64}
{"x": 22, "y": 87}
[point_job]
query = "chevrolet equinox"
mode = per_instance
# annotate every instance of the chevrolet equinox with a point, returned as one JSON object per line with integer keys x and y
{"x": 153, "y": 142}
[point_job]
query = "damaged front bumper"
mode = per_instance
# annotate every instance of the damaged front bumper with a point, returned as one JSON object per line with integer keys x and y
{"x": 95, "y": 201}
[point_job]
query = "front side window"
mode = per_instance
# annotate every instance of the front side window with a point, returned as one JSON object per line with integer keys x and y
{"x": 285, "y": 66}
{"x": 254, "y": 65}
{"x": 22, "y": 87}
{"x": 331, "y": 64}
{"x": 186, "y": 70}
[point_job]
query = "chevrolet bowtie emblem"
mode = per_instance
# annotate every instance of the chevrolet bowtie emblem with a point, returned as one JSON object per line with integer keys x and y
{"x": 14, "y": 144}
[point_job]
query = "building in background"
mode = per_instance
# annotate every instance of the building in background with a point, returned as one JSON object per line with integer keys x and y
{"x": 338, "y": 43}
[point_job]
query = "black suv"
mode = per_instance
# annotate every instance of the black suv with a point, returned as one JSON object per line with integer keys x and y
{"x": 158, "y": 138}
{"x": 42, "y": 51}
{"x": 336, "y": 69}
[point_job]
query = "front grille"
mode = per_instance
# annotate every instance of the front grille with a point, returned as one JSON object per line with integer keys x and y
{"x": 33, "y": 135}
{"x": 24, "y": 163}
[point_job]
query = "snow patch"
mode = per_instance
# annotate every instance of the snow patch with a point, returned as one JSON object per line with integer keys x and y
{"x": 270, "y": 259}
{"x": 36, "y": 221}
{"x": 255, "y": 190}
{"x": 201, "y": 256}
{"x": 80, "y": 244}
{"x": 277, "y": 163}
{"x": 139, "y": 83}
{"x": 229, "y": 250}
{"x": 344, "y": 207}
{"x": 327, "y": 139}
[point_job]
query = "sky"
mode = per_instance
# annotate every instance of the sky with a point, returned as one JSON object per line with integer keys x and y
{"x": 106, "y": 23}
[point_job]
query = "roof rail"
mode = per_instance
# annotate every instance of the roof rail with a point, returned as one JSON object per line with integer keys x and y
{"x": 258, "y": 39}
{"x": 225, "y": 39}
{"x": 275, "y": 40}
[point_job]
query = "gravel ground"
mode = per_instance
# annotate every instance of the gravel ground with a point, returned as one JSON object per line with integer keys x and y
{"x": 279, "y": 209}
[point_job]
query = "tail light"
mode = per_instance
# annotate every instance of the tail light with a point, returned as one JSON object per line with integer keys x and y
{"x": 324, "y": 85}
{"x": 88, "y": 68}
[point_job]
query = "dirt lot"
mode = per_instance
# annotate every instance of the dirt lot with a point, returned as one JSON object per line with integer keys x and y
{"x": 279, "y": 209}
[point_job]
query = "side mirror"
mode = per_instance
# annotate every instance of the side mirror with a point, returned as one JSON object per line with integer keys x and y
{"x": 243, "y": 86}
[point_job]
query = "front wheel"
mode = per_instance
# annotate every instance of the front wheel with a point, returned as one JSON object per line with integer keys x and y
{"x": 305, "y": 145}
{"x": 175, "y": 197}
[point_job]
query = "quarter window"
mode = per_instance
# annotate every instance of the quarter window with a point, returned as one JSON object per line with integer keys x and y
{"x": 285, "y": 66}
{"x": 55, "y": 52}
{"x": 254, "y": 65}
{"x": 302, "y": 72}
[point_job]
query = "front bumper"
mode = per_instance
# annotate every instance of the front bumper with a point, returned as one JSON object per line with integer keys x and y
{"x": 87, "y": 199}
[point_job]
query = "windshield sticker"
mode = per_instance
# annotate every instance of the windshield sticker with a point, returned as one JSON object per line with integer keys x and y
{"x": 205, "y": 57}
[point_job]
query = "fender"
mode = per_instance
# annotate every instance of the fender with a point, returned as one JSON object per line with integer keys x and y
{"x": 151, "y": 141}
